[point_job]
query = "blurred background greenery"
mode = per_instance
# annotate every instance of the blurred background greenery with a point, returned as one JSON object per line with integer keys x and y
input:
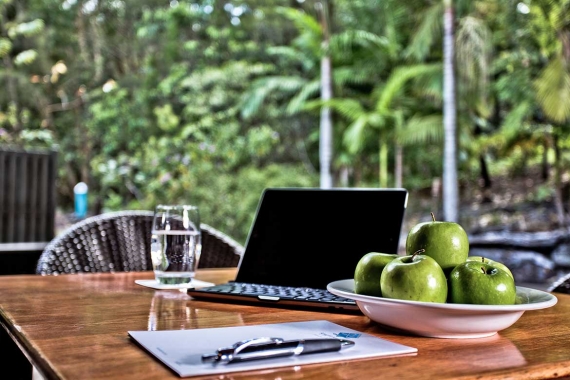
{"x": 209, "y": 102}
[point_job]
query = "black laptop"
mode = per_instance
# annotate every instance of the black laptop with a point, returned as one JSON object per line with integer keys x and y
{"x": 302, "y": 239}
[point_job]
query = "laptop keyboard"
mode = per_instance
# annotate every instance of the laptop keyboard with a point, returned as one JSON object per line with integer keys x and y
{"x": 275, "y": 293}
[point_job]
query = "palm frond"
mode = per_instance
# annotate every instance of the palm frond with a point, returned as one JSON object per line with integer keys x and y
{"x": 514, "y": 119}
{"x": 349, "y": 75}
{"x": 302, "y": 21}
{"x": 5, "y": 46}
{"x": 473, "y": 52}
{"x": 350, "y": 109}
{"x": 399, "y": 78}
{"x": 556, "y": 16}
{"x": 354, "y": 135}
{"x": 310, "y": 31}
{"x": 309, "y": 89}
{"x": 284, "y": 51}
{"x": 263, "y": 87}
{"x": 25, "y": 57}
{"x": 430, "y": 87}
{"x": 311, "y": 105}
{"x": 553, "y": 90}
{"x": 429, "y": 31}
{"x": 294, "y": 55}
{"x": 346, "y": 41}
{"x": 421, "y": 130}
{"x": 310, "y": 44}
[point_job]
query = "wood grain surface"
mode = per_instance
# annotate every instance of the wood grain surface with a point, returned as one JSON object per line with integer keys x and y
{"x": 75, "y": 327}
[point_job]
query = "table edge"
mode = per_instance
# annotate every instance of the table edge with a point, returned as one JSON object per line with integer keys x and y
{"x": 34, "y": 357}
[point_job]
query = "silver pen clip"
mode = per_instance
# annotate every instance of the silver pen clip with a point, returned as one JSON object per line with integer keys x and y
{"x": 229, "y": 354}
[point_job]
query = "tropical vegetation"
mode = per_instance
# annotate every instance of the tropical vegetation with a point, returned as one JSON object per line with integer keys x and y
{"x": 209, "y": 102}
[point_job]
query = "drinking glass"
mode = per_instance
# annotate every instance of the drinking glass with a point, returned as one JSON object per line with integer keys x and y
{"x": 176, "y": 243}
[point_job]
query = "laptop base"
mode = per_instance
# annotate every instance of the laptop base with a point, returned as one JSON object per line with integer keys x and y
{"x": 223, "y": 293}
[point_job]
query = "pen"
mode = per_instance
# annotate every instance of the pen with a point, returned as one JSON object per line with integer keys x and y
{"x": 266, "y": 347}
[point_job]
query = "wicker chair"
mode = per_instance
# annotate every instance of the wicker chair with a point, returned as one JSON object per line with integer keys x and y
{"x": 120, "y": 242}
{"x": 562, "y": 285}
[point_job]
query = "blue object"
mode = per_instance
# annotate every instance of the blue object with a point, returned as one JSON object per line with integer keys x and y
{"x": 80, "y": 192}
{"x": 348, "y": 335}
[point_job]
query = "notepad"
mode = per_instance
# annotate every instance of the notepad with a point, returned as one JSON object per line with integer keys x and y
{"x": 182, "y": 350}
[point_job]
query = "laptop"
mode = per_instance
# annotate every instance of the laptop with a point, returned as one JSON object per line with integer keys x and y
{"x": 302, "y": 239}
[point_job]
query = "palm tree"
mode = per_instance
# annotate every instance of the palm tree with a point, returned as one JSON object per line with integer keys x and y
{"x": 553, "y": 84}
{"x": 395, "y": 116}
{"x": 465, "y": 88}
{"x": 326, "y": 125}
{"x": 450, "y": 183}
{"x": 315, "y": 43}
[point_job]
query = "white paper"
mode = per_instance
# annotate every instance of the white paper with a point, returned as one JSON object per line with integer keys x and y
{"x": 196, "y": 284}
{"x": 182, "y": 350}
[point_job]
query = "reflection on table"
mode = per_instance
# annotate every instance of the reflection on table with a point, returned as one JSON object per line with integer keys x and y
{"x": 75, "y": 327}
{"x": 170, "y": 311}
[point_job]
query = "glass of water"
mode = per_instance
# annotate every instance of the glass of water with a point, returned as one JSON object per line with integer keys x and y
{"x": 176, "y": 243}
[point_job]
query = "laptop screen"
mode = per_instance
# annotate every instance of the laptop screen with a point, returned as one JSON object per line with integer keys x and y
{"x": 310, "y": 237}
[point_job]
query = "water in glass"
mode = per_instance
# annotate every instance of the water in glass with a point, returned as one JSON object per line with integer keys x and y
{"x": 175, "y": 255}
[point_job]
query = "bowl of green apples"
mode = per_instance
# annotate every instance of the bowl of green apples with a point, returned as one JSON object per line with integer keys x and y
{"x": 437, "y": 289}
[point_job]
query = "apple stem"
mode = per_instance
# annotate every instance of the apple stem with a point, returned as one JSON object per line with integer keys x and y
{"x": 418, "y": 252}
{"x": 432, "y": 216}
{"x": 483, "y": 270}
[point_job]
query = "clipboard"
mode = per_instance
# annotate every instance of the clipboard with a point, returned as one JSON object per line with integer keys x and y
{"x": 182, "y": 350}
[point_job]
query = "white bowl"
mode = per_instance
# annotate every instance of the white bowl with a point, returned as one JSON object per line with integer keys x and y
{"x": 444, "y": 320}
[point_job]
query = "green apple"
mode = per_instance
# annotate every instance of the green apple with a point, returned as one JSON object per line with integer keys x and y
{"x": 493, "y": 263}
{"x": 474, "y": 282}
{"x": 368, "y": 271}
{"x": 414, "y": 278}
{"x": 446, "y": 242}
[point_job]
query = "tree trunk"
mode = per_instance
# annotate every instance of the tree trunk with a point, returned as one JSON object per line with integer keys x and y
{"x": 558, "y": 184}
{"x": 344, "y": 175}
{"x": 398, "y": 152}
{"x": 12, "y": 90}
{"x": 545, "y": 168}
{"x": 450, "y": 183}
{"x": 399, "y": 165}
{"x": 383, "y": 158}
{"x": 11, "y": 85}
{"x": 485, "y": 177}
{"x": 326, "y": 128}
{"x": 483, "y": 168}
{"x": 81, "y": 34}
{"x": 302, "y": 149}
{"x": 98, "y": 58}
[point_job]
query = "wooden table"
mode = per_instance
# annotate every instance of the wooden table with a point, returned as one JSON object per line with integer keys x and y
{"x": 75, "y": 327}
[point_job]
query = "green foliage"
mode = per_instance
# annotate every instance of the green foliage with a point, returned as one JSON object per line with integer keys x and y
{"x": 228, "y": 200}
{"x": 553, "y": 90}
{"x": 26, "y": 29}
{"x": 25, "y": 57}
{"x": 420, "y": 130}
{"x": 209, "y": 102}
{"x": 5, "y": 46}
{"x": 165, "y": 118}
{"x": 428, "y": 32}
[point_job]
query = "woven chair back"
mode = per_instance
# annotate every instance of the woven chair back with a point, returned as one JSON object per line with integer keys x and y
{"x": 120, "y": 242}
